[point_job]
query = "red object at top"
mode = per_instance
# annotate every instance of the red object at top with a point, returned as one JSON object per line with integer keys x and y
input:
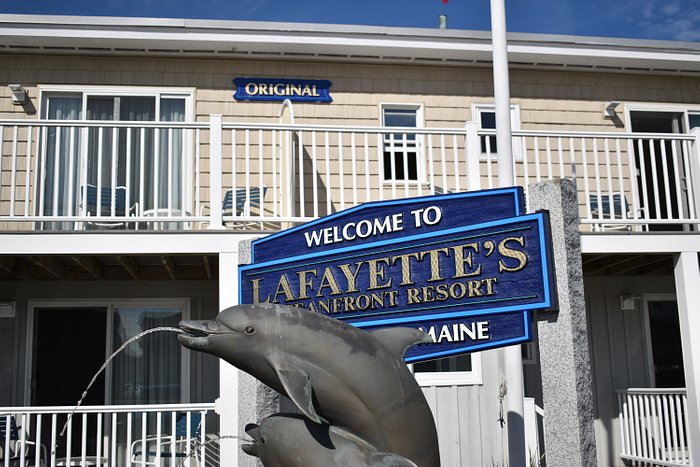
{"x": 444, "y": 2}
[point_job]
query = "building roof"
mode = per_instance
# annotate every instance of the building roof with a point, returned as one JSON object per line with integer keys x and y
{"x": 346, "y": 43}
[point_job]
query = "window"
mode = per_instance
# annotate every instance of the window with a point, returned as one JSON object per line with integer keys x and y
{"x": 485, "y": 115}
{"x": 150, "y": 370}
{"x": 463, "y": 369}
{"x": 147, "y": 164}
{"x": 401, "y": 150}
{"x": 693, "y": 120}
{"x": 663, "y": 341}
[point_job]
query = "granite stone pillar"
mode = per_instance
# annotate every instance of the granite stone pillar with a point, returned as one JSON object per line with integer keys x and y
{"x": 563, "y": 336}
{"x": 255, "y": 400}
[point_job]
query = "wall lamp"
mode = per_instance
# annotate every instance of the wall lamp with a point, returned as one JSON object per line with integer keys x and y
{"x": 609, "y": 109}
{"x": 7, "y": 309}
{"x": 628, "y": 302}
{"x": 19, "y": 94}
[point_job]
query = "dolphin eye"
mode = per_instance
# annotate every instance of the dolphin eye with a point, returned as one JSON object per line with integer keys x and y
{"x": 249, "y": 330}
{"x": 263, "y": 440}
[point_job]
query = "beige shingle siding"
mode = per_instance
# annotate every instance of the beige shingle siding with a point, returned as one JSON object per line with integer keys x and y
{"x": 563, "y": 99}
{"x": 548, "y": 100}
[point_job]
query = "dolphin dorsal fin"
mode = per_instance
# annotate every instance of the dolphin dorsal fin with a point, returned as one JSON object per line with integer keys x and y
{"x": 397, "y": 340}
{"x": 351, "y": 437}
{"x": 389, "y": 459}
{"x": 298, "y": 387}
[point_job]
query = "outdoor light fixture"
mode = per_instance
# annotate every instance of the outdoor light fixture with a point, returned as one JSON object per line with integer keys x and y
{"x": 7, "y": 309}
{"x": 627, "y": 302}
{"x": 609, "y": 110}
{"x": 19, "y": 94}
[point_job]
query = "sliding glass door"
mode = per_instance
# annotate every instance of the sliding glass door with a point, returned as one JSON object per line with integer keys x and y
{"x": 113, "y": 170}
{"x": 148, "y": 370}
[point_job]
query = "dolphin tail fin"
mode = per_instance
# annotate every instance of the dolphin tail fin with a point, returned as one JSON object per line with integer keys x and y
{"x": 298, "y": 387}
{"x": 389, "y": 459}
{"x": 398, "y": 340}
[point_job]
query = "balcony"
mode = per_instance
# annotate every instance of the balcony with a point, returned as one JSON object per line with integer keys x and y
{"x": 97, "y": 175}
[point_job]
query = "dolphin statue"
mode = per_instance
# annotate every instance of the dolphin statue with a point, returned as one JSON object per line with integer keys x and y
{"x": 290, "y": 440}
{"x": 353, "y": 379}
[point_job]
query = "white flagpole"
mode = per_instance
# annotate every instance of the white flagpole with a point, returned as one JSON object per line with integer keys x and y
{"x": 512, "y": 355}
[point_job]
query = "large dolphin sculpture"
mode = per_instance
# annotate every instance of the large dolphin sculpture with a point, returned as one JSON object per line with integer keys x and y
{"x": 291, "y": 440}
{"x": 353, "y": 379}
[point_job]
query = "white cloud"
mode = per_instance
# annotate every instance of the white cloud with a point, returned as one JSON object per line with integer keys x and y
{"x": 671, "y": 8}
{"x": 662, "y": 19}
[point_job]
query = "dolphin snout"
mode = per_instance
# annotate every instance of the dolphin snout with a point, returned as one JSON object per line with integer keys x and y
{"x": 202, "y": 327}
{"x": 253, "y": 431}
{"x": 196, "y": 333}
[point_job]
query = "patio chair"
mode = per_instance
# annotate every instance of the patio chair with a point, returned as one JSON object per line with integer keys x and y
{"x": 149, "y": 454}
{"x": 245, "y": 199}
{"x": 610, "y": 206}
{"x": 88, "y": 202}
{"x": 16, "y": 446}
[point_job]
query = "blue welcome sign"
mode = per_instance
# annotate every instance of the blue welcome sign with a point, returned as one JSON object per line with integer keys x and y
{"x": 279, "y": 89}
{"x": 467, "y": 268}
{"x": 390, "y": 219}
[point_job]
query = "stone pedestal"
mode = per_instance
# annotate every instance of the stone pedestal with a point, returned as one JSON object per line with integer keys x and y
{"x": 563, "y": 336}
{"x": 255, "y": 400}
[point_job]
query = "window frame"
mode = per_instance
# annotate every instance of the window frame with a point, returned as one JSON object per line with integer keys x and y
{"x": 110, "y": 305}
{"x": 451, "y": 378}
{"x": 648, "y": 349}
{"x": 690, "y": 110}
{"x": 419, "y": 143}
{"x": 158, "y": 93}
{"x": 685, "y": 109}
{"x": 46, "y": 91}
{"x": 515, "y": 125}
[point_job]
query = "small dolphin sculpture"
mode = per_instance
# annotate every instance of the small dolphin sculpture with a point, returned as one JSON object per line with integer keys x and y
{"x": 289, "y": 440}
{"x": 353, "y": 379}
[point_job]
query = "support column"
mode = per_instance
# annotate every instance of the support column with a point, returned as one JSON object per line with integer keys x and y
{"x": 227, "y": 403}
{"x": 687, "y": 273}
{"x": 563, "y": 336}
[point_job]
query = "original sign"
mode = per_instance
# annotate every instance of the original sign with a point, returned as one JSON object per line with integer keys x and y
{"x": 463, "y": 267}
{"x": 279, "y": 89}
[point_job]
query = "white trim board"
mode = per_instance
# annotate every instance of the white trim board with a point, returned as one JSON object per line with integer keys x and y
{"x": 640, "y": 243}
{"x": 105, "y": 243}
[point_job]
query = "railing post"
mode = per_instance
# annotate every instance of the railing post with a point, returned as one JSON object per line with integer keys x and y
{"x": 687, "y": 276}
{"x": 693, "y": 178}
{"x": 215, "y": 172}
{"x": 473, "y": 153}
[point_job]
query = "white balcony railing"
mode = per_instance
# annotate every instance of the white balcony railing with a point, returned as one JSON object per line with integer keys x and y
{"x": 87, "y": 175}
{"x": 631, "y": 181}
{"x": 114, "y": 436}
{"x": 654, "y": 427}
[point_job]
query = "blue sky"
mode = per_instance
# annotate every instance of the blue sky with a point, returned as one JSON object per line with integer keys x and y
{"x": 646, "y": 19}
